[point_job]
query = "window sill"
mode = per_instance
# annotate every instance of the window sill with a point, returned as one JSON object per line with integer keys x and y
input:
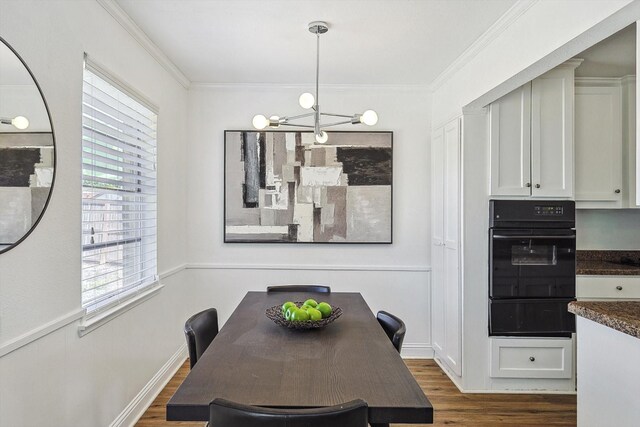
{"x": 92, "y": 322}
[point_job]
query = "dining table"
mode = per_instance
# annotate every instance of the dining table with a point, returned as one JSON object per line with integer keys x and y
{"x": 257, "y": 362}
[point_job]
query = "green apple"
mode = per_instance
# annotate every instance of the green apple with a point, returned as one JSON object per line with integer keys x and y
{"x": 325, "y": 309}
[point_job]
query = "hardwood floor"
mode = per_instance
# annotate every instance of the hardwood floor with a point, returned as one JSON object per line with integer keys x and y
{"x": 450, "y": 406}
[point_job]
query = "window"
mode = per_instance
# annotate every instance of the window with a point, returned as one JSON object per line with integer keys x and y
{"x": 118, "y": 191}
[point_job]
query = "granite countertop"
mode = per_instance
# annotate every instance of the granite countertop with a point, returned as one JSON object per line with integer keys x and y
{"x": 619, "y": 263}
{"x": 623, "y": 316}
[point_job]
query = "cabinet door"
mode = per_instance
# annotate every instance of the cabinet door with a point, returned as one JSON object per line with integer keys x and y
{"x": 598, "y": 140}
{"x": 453, "y": 335}
{"x": 510, "y": 139}
{"x": 552, "y": 134}
{"x": 437, "y": 242}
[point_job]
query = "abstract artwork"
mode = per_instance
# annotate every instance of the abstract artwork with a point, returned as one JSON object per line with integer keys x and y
{"x": 26, "y": 176}
{"x": 284, "y": 187}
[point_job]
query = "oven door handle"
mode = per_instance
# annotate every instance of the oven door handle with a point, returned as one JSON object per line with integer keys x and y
{"x": 502, "y": 237}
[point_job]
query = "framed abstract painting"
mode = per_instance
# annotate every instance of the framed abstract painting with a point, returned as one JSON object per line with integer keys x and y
{"x": 284, "y": 187}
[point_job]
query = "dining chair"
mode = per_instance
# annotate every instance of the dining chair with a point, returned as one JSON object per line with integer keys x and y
{"x": 299, "y": 288}
{"x": 394, "y": 327}
{"x": 231, "y": 414}
{"x": 200, "y": 329}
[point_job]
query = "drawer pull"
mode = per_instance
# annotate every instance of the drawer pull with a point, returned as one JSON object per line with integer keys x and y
{"x": 619, "y": 288}
{"x": 533, "y": 359}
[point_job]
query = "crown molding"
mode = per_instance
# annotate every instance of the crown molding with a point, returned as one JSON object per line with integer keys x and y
{"x": 136, "y": 32}
{"x": 498, "y": 27}
{"x": 598, "y": 81}
{"x": 310, "y": 86}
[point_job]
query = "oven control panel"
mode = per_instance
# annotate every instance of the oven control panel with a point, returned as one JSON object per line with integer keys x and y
{"x": 532, "y": 214}
{"x": 548, "y": 210}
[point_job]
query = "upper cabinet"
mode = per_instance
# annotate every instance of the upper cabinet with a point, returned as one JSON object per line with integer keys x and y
{"x": 598, "y": 140}
{"x": 531, "y": 136}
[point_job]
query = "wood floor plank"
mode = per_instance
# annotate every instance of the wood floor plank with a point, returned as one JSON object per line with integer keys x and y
{"x": 451, "y": 408}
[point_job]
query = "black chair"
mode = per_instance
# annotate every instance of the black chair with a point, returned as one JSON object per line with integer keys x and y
{"x": 300, "y": 288}
{"x": 394, "y": 328}
{"x": 200, "y": 330}
{"x": 230, "y": 414}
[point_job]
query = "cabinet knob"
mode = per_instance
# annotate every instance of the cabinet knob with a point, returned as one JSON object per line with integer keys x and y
{"x": 537, "y": 185}
{"x": 533, "y": 359}
{"x": 528, "y": 184}
{"x": 619, "y": 288}
{"x": 617, "y": 191}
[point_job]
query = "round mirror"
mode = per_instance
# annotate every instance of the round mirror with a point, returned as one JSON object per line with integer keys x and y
{"x": 27, "y": 150}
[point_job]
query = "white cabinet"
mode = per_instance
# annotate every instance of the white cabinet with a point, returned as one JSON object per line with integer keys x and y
{"x": 510, "y": 124}
{"x": 531, "y": 137}
{"x": 598, "y": 141}
{"x": 445, "y": 249}
{"x": 607, "y": 287}
{"x": 531, "y": 357}
{"x": 629, "y": 151}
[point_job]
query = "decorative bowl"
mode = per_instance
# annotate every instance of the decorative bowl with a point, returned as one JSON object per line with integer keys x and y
{"x": 275, "y": 313}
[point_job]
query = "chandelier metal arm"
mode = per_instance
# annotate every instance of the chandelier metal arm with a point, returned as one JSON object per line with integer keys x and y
{"x": 337, "y": 115}
{"x": 344, "y": 122}
{"x": 296, "y": 125}
{"x": 300, "y": 116}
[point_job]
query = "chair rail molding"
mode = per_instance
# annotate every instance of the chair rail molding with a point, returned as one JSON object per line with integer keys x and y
{"x": 41, "y": 331}
{"x": 358, "y": 267}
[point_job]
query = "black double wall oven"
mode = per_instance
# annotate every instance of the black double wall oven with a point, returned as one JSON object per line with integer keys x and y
{"x": 532, "y": 268}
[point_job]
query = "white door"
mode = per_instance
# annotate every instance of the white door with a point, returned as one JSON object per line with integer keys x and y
{"x": 453, "y": 346}
{"x": 598, "y": 140}
{"x": 552, "y": 134}
{"x": 437, "y": 242}
{"x": 510, "y": 139}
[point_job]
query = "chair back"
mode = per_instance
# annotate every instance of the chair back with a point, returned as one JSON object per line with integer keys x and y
{"x": 299, "y": 288}
{"x": 230, "y": 414}
{"x": 394, "y": 327}
{"x": 200, "y": 330}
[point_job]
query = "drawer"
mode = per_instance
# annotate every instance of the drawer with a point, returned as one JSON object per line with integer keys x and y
{"x": 608, "y": 287}
{"x": 531, "y": 357}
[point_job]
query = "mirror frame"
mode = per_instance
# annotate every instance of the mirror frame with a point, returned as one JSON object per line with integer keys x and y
{"x": 55, "y": 151}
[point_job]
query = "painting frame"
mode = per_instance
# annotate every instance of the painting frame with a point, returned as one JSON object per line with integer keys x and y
{"x": 372, "y": 182}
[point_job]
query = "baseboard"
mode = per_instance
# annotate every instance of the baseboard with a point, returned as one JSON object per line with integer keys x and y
{"x": 417, "y": 351}
{"x": 450, "y": 374}
{"x": 134, "y": 410}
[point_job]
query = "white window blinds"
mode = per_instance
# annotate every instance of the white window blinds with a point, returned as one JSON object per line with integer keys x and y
{"x": 119, "y": 209}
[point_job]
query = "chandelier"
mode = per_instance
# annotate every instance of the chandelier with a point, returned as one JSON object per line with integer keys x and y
{"x": 308, "y": 101}
{"x": 19, "y": 122}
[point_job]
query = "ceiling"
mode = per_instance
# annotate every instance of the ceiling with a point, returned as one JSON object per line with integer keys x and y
{"x": 615, "y": 56}
{"x": 267, "y": 41}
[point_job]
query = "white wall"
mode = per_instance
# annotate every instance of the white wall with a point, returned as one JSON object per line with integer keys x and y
{"x": 535, "y": 41}
{"x": 61, "y": 379}
{"x": 392, "y": 277}
{"x": 544, "y": 27}
{"x": 608, "y": 229}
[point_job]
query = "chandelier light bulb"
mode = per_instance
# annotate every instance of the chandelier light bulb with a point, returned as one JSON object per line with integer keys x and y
{"x": 322, "y": 137}
{"x": 369, "y": 118}
{"x": 260, "y": 122}
{"x": 20, "y": 122}
{"x": 306, "y": 100}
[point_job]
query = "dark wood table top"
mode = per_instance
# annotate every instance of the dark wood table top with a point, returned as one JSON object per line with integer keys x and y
{"x": 254, "y": 361}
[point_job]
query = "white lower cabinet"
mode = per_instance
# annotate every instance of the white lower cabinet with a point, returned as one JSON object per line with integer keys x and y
{"x": 531, "y": 357}
{"x": 607, "y": 287}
